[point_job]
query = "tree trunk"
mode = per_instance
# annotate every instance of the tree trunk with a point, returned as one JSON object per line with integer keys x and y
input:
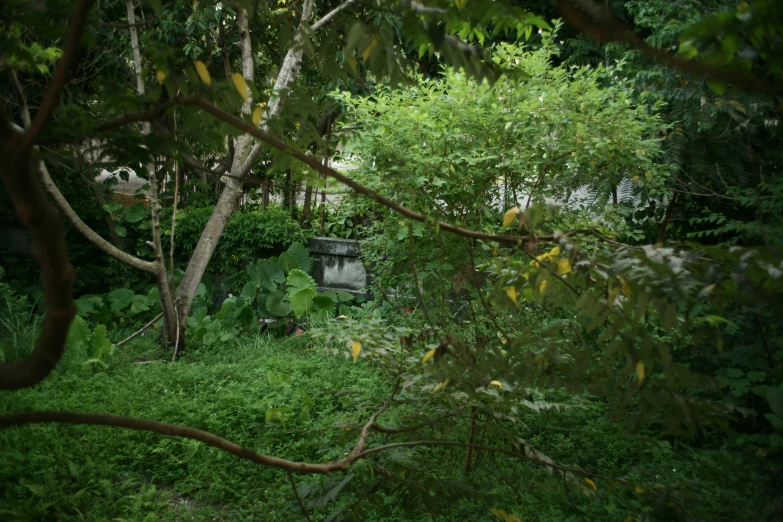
{"x": 173, "y": 328}
{"x": 245, "y": 156}
{"x": 306, "y": 205}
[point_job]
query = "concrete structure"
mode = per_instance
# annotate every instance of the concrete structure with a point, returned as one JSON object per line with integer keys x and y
{"x": 337, "y": 264}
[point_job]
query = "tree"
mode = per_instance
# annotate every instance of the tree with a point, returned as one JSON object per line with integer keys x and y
{"x": 629, "y": 298}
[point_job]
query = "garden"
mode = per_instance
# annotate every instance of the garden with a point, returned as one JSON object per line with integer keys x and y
{"x": 565, "y": 217}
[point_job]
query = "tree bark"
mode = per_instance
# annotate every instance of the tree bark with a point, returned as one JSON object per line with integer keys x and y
{"x": 245, "y": 155}
{"x": 172, "y": 326}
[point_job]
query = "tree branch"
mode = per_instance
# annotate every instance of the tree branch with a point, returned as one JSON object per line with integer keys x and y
{"x": 328, "y": 17}
{"x": 175, "y": 430}
{"x": 357, "y": 187}
{"x": 600, "y": 23}
{"x": 52, "y": 96}
{"x": 298, "y": 498}
{"x": 41, "y": 219}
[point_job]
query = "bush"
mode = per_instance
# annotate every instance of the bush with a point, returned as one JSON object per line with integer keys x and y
{"x": 249, "y": 235}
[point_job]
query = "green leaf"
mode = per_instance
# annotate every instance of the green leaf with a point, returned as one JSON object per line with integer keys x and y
{"x": 324, "y": 307}
{"x": 87, "y": 304}
{"x": 298, "y": 280}
{"x": 120, "y": 299}
{"x": 266, "y": 274}
{"x": 276, "y": 415}
{"x": 277, "y": 304}
{"x": 302, "y": 301}
{"x": 140, "y": 303}
{"x": 302, "y": 256}
{"x": 775, "y": 399}
{"x": 248, "y": 293}
{"x": 78, "y": 336}
{"x": 288, "y": 262}
{"x": 120, "y": 230}
{"x": 100, "y": 346}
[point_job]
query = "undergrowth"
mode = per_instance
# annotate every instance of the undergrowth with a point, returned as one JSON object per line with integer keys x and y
{"x": 58, "y": 472}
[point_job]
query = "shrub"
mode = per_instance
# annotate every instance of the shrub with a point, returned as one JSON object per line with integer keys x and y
{"x": 249, "y": 235}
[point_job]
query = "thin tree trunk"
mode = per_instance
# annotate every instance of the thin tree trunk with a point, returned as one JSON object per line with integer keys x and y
{"x": 245, "y": 155}
{"x": 306, "y": 205}
{"x": 471, "y": 440}
{"x": 171, "y": 322}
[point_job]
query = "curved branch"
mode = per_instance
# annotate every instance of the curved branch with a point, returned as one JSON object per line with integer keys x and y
{"x": 46, "y": 230}
{"x": 52, "y": 96}
{"x": 357, "y": 187}
{"x": 90, "y": 234}
{"x": 163, "y": 428}
{"x": 175, "y": 430}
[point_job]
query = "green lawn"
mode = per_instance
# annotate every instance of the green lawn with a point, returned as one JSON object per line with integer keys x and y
{"x": 58, "y": 472}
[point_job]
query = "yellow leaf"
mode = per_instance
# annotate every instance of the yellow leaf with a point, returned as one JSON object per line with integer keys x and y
{"x": 257, "y": 113}
{"x": 202, "y": 71}
{"x": 460, "y": 3}
{"x": 368, "y": 50}
{"x": 639, "y": 489}
{"x": 555, "y": 251}
{"x": 640, "y": 371}
{"x": 543, "y": 257}
{"x": 613, "y": 293}
{"x": 509, "y": 216}
{"x": 240, "y": 85}
{"x": 160, "y": 75}
{"x": 429, "y": 355}
{"x": 512, "y": 294}
{"x": 542, "y": 287}
{"x": 356, "y": 349}
{"x": 591, "y": 484}
{"x": 502, "y": 515}
{"x": 624, "y": 286}
{"x": 496, "y": 383}
{"x": 440, "y": 386}
{"x": 563, "y": 266}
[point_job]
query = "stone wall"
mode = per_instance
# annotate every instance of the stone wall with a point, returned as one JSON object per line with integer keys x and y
{"x": 337, "y": 264}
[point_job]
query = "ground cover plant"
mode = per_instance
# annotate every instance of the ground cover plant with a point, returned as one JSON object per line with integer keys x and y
{"x": 106, "y": 473}
{"x": 569, "y": 211}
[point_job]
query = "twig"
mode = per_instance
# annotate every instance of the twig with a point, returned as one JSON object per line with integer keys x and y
{"x": 298, "y": 498}
{"x": 471, "y": 441}
{"x": 140, "y": 331}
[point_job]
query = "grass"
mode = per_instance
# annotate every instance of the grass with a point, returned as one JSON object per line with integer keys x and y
{"x": 57, "y": 472}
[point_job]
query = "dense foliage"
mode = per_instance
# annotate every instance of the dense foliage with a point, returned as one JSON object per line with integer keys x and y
{"x": 574, "y": 248}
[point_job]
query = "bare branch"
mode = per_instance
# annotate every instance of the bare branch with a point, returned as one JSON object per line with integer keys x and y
{"x": 64, "y": 417}
{"x": 52, "y": 96}
{"x": 328, "y": 17}
{"x": 128, "y": 25}
{"x": 140, "y": 330}
{"x": 175, "y": 430}
{"x": 298, "y": 498}
{"x": 22, "y": 99}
